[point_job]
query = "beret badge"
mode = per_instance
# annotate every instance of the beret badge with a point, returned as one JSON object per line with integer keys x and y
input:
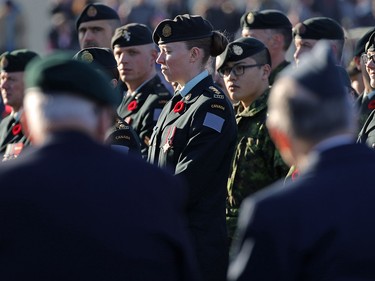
{"x": 250, "y": 18}
{"x": 126, "y": 34}
{"x": 167, "y": 30}
{"x": 87, "y": 57}
{"x": 3, "y": 62}
{"x": 91, "y": 12}
{"x": 237, "y": 50}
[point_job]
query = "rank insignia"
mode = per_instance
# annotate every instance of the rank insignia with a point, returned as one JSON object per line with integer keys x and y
{"x": 215, "y": 90}
{"x": 91, "y": 12}
{"x": 237, "y": 50}
{"x": 167, "y": 30}
{"x": 87, "y": 57}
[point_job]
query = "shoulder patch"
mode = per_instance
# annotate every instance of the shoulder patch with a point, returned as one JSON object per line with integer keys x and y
{"x": 218, "y": 106}
{"x": 217, "y": 93}
{"x": 213, "y": 121}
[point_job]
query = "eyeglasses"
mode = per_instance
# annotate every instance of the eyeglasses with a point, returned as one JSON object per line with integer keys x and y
{"x": 238, "y": 69}
{"x": 366, "y": 58}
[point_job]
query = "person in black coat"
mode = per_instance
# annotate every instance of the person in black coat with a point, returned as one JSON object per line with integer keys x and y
{"x": 74, "y": 209}
{"x": 316, "y": 227}
{"x": 196, "y": 133}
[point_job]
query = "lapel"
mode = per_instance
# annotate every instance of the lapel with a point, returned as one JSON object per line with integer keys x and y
{"x": 6, "y": 124}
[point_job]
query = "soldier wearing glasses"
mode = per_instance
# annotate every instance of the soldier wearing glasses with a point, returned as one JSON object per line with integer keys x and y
{"x": 367, "y": 133}
{"x": 245, "y": 66}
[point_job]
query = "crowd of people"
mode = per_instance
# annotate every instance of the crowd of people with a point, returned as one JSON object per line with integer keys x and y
{"x": 176, "y": 151}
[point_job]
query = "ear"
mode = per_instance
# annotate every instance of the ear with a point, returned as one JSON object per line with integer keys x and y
{"x": 194, "y": 54}
{"x": 357, "y": 61}
{"x": 266, "y": 71}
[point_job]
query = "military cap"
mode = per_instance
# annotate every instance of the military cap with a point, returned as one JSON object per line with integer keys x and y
{"x": 96, "y": 11}
{"x": 265, "y": 19}
{"x": 132, "y": 34}
{"x": 360, "y": 45}
{"x": 17, "y": 60}
{"x": 370, "y": 45}
{"x": 316, "y": 69}
{"x": 182, "y": 28}
{"x": 319, "y": 28}
{"x": 241, "y": 48}
{"x": 59, "y": 73}
{"x": 100, "y": 58}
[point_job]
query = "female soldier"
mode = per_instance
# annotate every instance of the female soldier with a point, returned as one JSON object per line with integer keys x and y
{"x": 196, "y": 133}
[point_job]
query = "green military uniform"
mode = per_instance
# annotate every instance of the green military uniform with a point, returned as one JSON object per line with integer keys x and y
{"x": 276, "y": 71}
{"x": 257, "y": 163}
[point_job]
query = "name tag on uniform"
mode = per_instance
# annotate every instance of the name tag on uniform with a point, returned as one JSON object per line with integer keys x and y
{"x": 213, "y": 121}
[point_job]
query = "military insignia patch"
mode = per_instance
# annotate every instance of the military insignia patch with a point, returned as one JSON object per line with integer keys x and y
{"x": 126, "y": 34}
{"x": 213, "y": 121}
{"x": 167, "y": 30}
{"x": 215, "y": 90}
{"x": 250, "y": 18}
{"x": 91, "y": 12}
{"x": 4, "y": 63}
{"x": 87, "y": 57}
{"x": 237, "y": 50}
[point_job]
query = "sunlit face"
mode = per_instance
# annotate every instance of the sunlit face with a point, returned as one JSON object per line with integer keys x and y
{"x": 370, "y": 67}
{"x": 96, "y": 33}
{"x": 174, "y": 60}
{"x": 135, "y": 63}
{"x": 12, "y": 88}
{"x": 248, "y": 86}
{"x": 302, "y": 46}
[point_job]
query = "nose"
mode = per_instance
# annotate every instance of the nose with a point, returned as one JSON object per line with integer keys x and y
{"x": 297, "y": 54}
{"x": 161, "y": 58}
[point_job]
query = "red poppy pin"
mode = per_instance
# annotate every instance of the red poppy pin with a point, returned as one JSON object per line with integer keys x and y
{"x": 371, "y": 104}
{"x": 132, "y": 105}
{"x": 16, "y": 129}
{"x": 179, "y": 106}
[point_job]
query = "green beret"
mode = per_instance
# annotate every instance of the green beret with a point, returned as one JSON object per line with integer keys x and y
{"x": 17, "y": 60}
{"x": 96, "y": 12}
{"x": 319, "y": 68}
{"x": 182, "y": 28}
{"x": 265, "y": 19}
{"x": 100, "y": 58}
{"x": 58, "y": 73}
{"x": 132, "y": 34}
{"x": 241, "y": 48}
{"x": 319, "y": 28}
{"x": 370, "y": 45}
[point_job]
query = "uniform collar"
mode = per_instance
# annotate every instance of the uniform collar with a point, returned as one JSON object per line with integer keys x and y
{"x": 190, "y": 85}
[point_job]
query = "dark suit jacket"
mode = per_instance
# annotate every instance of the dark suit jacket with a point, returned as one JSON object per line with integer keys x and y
{"x": 319, "y": 227}
{"x": 76, "y": 210}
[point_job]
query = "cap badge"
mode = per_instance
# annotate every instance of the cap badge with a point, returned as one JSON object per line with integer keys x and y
{"x": 87, "y": 57}
{"x": 4, "y": 63}
{"x": 167, "y": 31}
{"x": 91, "y": 12}
{"x": 250, "y": 18}
{"x": 126, "y": 34}
{"x": 237, "y": 50}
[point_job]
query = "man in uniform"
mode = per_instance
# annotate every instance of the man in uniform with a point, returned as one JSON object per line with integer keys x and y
{"x": 12, "y": 137}
{"x": 121, "y": 136}
{"x": 272, "y": 28}
{"x": 245, "y": 66}
{"x": 146, "y": 95}
{"x": 74, "y": 209}
{"x": 96, "y": 26}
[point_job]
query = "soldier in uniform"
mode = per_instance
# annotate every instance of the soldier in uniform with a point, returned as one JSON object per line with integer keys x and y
{"x": 120, "y": 136}
{"x": 245, "y": 67}
{"x": 96, "y": 25}
{"x": 146, "y": 95}
{"x": 12, "y": 136}
{"x": 272, "y": 28}
{"x": 196, "y": 133}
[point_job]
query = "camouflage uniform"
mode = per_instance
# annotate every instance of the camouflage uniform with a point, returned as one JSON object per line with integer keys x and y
{"x": 276, "y": 71}
{"x": 256, "y": 163}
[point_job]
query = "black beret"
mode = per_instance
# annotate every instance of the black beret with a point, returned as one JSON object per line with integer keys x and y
{"x": 360, "y": 45}
{"x": 316, "y": 69}
{"x": 241, "y": 48}
{"x": 265, "y": 19}
{"x": 182, "y": 28}
{"x": 370, "y": 45}
{"x": 100, "y": 58}
{"x": 59, "y": 73}
{"x": 17, "y": 60}
{"x": 132, "y": 34}
{"x": 319, "y": 28}
{"x": 96, "y": 12}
